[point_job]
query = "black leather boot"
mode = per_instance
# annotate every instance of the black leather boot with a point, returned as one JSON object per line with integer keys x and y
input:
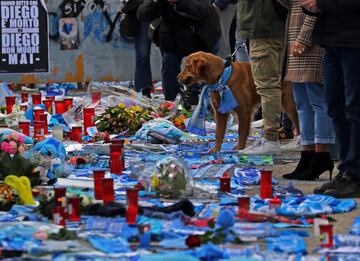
{"x": 321, "y": 162}
{"x": 304, "y": 163}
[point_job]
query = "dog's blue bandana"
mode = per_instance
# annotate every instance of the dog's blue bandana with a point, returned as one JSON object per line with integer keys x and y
{"x": 227, "y": 103}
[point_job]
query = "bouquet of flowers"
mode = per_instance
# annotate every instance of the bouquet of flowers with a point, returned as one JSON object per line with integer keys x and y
{"x": 12, "y": 143}
{"x": 170, "y": 179}
{"x": 121, "y": 118}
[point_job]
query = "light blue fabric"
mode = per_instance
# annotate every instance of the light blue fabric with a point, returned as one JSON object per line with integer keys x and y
{"x": 109, "y": 245}
{"x": 7, "y": 131}
{"x": 289, "y": 244}
{"x": 227, "y": 103}
{"x": 50, "y": 147}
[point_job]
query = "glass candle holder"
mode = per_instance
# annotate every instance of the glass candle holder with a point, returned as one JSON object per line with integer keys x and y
{"x": 48, "y": 104}
{"x": 98, "y": 183}
{"x": 39, "y": 130}
{"x": 58, "y": 133}
{"x": 95, "y": 96}
{"x": 116, "y": 158}
{"x": 24, "y": 127}
{"x": 24, "y": 97}
{"x": 89, "y": 118}
{"x": 10, "y": 102}
{"x": 59, "y": 194}
{"x": 59, "y": 215}
{"x": 326, "y": 235}
{"x": 76, "y": 133}
{"x": 50, "y": 98}
{"x": 59, "y": 107}
{"x": 73, "y": 207}
{"x": 243, "y": 205}
{"x": 37, "y": 113}
{"x": 68, "y": 103}
{"x": 23, "y": 107}
{"x": 36, "y": 98}
{"x": 131, "y": 205}
{"x": 266, "y": 183}
{"x": 225, "y": 184}
{"x": 108, "y": 191}
{"x": 43, "y": 118}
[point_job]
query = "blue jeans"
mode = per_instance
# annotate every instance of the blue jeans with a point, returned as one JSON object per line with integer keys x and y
{"x": 143, "y": 77}
{"x": 315, "y": 125}
{"x": 342, "y": 90}
{"x": 242, "y": 54}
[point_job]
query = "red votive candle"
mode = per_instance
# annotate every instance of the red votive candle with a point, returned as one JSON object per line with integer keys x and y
{"x": 243, "y": 205}
{"x": 37, "y": 113}
{"x": 36, "y": 98}
{"x": 326, "y": 235}
{"x": 225, "y": 184}
{"x": 48, "y": 104}
{"x": 98, "y": 183}
{"x": 50, "y": 98}
{"x": 89, "y": 118}
{"x": 24, "y": 127}
{"x": 116, "y": 158}
{"x": 59, "y": 215}
{"x": 131, "y": 205}
{"x": 73, "y": 207}
{"x": 95, "y": 96}
{"x": 59, "y": 107}
{"x": 23, "y": 107}
{"x": 24, "y": 96}
{"x": 10, "y": 102}
{"x": 108, "y": 191}
{"x": 266, "y": 183}
{"x": 39, "y": 130}
{"x": 59, "y": 194}
{"x": 76, "y": 133}
{"x": 43, "y": 118}
{"x": 68, "y": 103}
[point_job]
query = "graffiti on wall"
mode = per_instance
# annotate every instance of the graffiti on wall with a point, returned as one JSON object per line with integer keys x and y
{"x": 97, "y": 53}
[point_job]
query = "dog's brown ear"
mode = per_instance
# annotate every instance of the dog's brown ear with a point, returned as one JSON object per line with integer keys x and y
{"x": 200, "y": 66}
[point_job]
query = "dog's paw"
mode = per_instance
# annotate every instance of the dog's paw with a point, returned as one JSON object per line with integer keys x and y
{"x": 239, "y": 147}
{"x": 214, "y": 150}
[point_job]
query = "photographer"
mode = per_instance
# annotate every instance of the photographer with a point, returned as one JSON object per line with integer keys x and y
{"x": 183, "y": 27}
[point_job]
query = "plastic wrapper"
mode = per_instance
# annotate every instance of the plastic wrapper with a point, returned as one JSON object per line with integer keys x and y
{"x": 161, "y": 126}
{"x": 169, "y": 178}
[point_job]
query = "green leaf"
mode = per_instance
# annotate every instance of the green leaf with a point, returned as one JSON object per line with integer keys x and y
{"x": 211, "y": 224}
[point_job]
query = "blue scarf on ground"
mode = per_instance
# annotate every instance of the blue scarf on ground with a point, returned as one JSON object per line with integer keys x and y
{"x": 227, "y": 103}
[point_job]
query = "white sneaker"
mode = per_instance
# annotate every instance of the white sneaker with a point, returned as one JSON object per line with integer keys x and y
{"x": 257, "y": 124}
{"x": 262, "y": 147}
{"x": 293, "y": 145}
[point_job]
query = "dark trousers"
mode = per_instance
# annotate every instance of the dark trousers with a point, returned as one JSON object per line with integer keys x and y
{"x": 342, "y": 90}
{"x": 143, "y": 77}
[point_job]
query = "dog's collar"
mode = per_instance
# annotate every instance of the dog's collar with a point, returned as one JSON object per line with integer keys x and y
{"x": 227, "y": 63}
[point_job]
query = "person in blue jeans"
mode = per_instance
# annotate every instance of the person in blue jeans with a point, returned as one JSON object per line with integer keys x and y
{"x": 338, "y": 31}
{"x": 305, "y": 71}
{"x": 143, "y": 78}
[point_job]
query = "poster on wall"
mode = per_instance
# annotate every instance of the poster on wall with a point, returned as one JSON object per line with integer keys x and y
{"x": 24, "y": 38}
{"x": 69, "y": 37}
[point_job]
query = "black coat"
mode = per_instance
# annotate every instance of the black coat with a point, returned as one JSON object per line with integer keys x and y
{"x": 186, "y": 27}
{"x": 18, "y": 166}
{"x": 222, "y": 4}
{"x": 338, "y": 23}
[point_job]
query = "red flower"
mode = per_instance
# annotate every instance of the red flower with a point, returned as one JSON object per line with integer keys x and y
{"x": 193, "y": 241}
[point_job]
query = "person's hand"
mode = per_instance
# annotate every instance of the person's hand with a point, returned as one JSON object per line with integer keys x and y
{"x": 310, "y": 5}
{"x": 298, "y": 49}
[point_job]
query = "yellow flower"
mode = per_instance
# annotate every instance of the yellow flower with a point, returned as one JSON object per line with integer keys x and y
{"x": 121, "y": 105}
{"x": 155, "y": 181}
{"x": 135, "y": 108}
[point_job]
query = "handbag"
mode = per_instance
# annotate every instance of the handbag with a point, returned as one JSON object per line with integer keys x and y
{"x": 130, "y": 25}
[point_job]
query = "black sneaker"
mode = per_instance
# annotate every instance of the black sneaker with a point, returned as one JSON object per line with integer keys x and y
{"x": 345, "y": 187}
{"x": 328, "y": 185}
